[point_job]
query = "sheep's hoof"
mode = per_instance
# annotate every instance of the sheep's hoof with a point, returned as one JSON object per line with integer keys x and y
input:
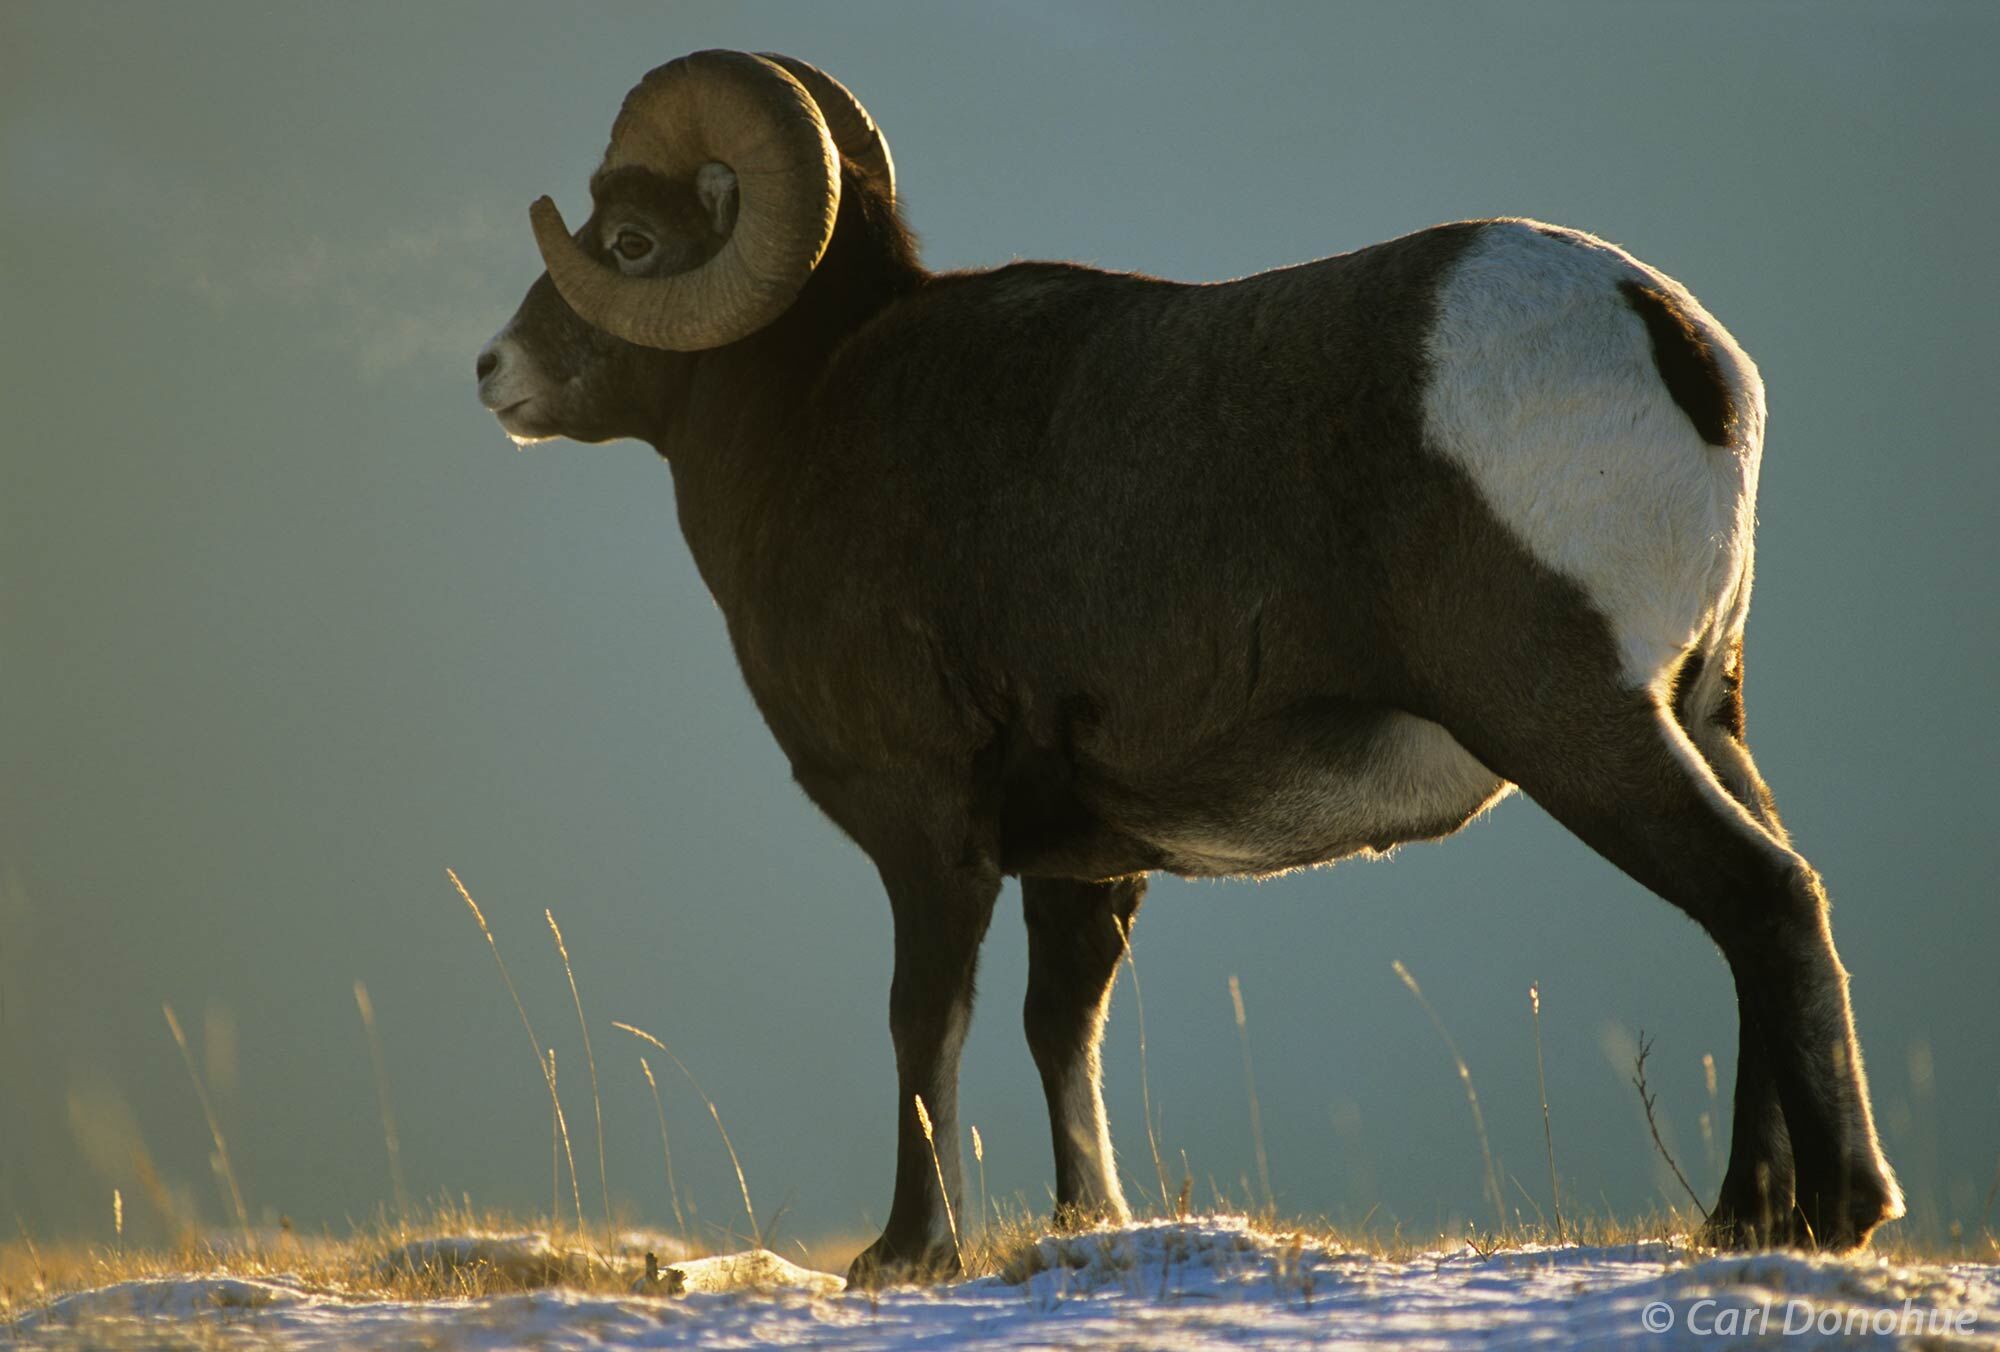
{"x": 1866, "y": 1198}
{"x": 1747, "y": 1228}
{"x": 1836, "y": 1230}
{"x": 1075, "y": 1216}
{"x": 888, "y": 1262}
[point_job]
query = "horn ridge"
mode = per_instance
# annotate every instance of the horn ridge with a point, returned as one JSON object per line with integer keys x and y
{"x": 856, "y": 134}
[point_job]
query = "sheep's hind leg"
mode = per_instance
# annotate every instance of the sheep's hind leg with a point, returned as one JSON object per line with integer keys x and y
{"x": 1076, "y": 936}
{"x": 1614, "y": 767}
{"x": 1755, "y": 1203}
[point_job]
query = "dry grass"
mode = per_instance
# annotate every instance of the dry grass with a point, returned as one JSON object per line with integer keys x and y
{"x": 417, "y": 1262}
{"x": 390, "y": 1140}
{"x": 590, "y": 1058}
{"x": 1471, "y": 1094}
{"x": 437, "y": 1256}
{"x": 546, "y": 1064}
{"x": 433, "y": 1252}
{"x": 742, "y": 1182}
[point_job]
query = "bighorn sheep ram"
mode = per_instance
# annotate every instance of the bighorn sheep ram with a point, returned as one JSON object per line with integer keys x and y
{"x": 1074, "y": 575}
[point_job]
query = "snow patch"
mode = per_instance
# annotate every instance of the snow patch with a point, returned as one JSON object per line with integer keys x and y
{"x": 183, "y": 1298}
{"x": 758, "y": 1270}
{"x": 1214, "y": 1282}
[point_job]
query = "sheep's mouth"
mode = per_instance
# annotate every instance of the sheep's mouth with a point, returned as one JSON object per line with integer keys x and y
{"x": 518, "y": 421}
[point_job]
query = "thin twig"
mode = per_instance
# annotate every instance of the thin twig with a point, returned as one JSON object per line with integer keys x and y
{"x": 1646, "y": 1099}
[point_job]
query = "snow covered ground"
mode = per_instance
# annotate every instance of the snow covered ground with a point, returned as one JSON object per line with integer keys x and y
{"x": 1212, "y": 1282}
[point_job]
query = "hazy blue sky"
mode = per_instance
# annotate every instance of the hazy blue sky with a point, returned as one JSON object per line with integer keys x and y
{"x": 287, "y": 626}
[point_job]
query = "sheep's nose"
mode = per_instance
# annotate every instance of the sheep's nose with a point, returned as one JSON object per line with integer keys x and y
{"x": 488, "y": 363}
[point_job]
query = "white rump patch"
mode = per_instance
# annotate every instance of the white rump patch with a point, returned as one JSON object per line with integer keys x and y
{"x": 1543, "y": 388}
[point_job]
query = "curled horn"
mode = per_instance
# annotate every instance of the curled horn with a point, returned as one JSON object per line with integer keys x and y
{"x": 755, "y": 117}
{"x": 854, "y": 132}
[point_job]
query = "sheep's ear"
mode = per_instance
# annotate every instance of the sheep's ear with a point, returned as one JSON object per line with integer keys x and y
{"x": 715, "y": 189}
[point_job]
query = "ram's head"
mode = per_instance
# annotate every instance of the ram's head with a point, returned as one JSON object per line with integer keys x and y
{"x": 716, "y": 199}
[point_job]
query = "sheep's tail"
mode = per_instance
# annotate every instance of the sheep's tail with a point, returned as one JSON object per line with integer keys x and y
{"x": 1687, "y": 361}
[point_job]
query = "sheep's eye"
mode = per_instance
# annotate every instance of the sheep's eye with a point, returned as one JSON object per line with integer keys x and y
{"x": 632, "y": 245}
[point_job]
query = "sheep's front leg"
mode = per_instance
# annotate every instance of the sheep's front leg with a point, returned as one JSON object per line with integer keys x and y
{"x": 941, "y": 912}
{"x": 1076, "y": 935}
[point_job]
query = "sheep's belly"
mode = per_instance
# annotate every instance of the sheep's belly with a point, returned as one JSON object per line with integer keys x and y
{"x": 1407, "y": 780}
